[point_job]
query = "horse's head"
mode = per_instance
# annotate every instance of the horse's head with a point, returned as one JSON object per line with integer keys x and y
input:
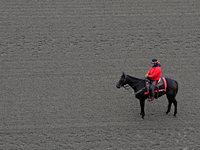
{"x": 122, "y": 81}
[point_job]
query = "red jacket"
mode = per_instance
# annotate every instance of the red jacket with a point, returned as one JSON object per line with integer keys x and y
{"x": 154, "y": 73}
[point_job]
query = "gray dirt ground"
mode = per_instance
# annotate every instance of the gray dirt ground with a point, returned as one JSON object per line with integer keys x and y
{"x": 61, "y": 60}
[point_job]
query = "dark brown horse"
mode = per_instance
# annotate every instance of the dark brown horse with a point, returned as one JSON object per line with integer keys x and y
{"x": 139, "y": 87}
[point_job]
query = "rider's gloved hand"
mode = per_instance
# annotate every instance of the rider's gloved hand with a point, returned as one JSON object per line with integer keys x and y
{"x": 146, "y": 75}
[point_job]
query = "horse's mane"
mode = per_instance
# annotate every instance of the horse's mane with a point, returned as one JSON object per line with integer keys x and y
{"x": 133, "y": 78}
{"x": 136, "y": 82}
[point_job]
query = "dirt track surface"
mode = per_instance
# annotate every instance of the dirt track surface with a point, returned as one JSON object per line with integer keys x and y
{"x": 60, "y": 62}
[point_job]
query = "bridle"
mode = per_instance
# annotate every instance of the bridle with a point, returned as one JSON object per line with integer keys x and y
{"x": 126, "y": 87}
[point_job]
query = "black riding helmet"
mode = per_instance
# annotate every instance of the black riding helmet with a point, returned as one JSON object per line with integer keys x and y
{"x": 154, "y": 61}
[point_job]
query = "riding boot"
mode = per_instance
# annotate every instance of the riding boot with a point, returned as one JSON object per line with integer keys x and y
{"x": 150, "y": 94}
{"x": 152, "y": 90}
{"x": 152, "y": 97}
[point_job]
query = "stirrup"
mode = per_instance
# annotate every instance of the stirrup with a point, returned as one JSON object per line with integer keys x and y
{"x": 150, "y": 99}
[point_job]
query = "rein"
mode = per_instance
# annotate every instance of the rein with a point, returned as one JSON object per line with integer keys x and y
{"x": 137, "y": 83}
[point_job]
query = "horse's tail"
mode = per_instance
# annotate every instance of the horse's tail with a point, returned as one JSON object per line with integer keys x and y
{"x": 176, "y": 88}
{"x": 173, "y": 85}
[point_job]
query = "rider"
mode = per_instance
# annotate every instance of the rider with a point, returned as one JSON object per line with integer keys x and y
{"x": 154, "y": 75}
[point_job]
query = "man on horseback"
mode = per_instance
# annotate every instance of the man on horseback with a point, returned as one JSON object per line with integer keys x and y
{"x": 153, "y": 75}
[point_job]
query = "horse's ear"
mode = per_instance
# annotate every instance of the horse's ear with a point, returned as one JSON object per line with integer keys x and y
{"x": 123, "y": 74}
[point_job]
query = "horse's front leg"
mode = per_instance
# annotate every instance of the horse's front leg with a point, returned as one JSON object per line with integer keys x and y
{"x": 142, "y": 113}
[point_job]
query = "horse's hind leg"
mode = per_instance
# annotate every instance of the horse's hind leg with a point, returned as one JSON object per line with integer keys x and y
{"x": 172, "y": 100}
{"x": 175, "y": 106}
{"x": 169, "y": 106}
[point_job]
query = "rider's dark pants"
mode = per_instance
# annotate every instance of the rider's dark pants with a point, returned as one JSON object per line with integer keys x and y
{"x": 152, "y": 87}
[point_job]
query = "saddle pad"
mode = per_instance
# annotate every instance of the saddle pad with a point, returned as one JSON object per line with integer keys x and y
{"x": 161, "y": 88}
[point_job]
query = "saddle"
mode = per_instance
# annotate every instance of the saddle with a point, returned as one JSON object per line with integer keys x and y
{"x": 160, "y": 86}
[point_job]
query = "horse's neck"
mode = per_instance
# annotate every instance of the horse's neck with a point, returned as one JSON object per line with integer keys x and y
{"x": 132, "y": 81}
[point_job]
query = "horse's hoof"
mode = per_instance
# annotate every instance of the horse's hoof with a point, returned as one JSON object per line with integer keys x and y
{"x": 167, "y": 113}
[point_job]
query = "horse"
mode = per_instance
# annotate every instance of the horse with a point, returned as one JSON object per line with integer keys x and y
{"x": 141, "y": 91}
